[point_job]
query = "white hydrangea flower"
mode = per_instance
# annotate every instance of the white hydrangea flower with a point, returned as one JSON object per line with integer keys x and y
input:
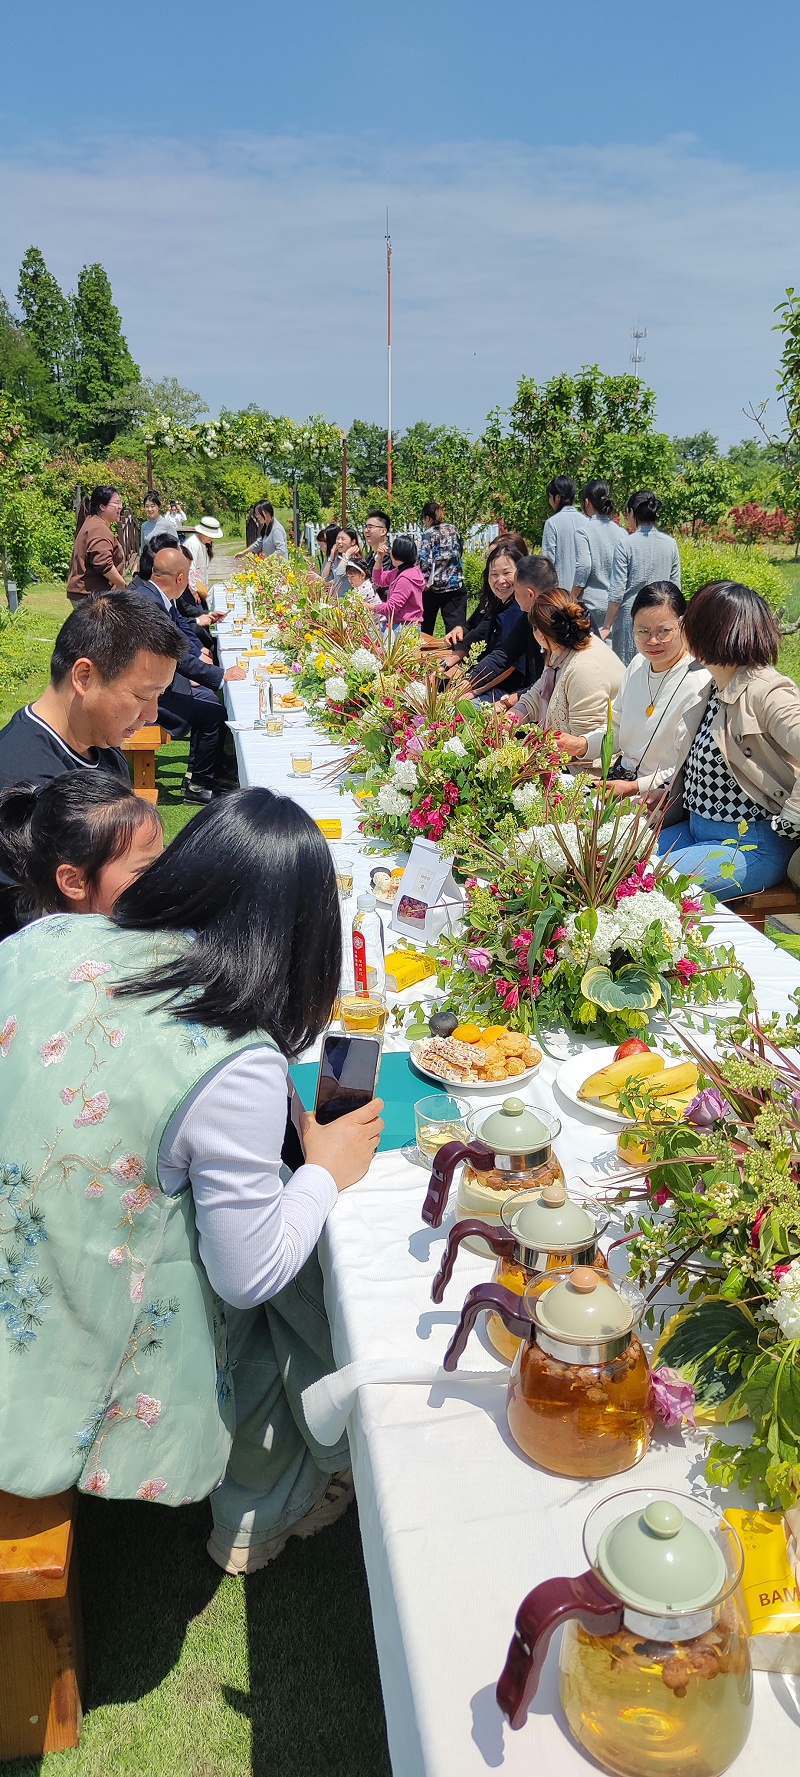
{"x": 647, "y": 843}
{"x": 336, "y": 689}
{"x": 786, "y": 1308}
{"x": 594, "y": 947}
{"x": 635, "y": 915}
{"x": 404, "y": 774}
{"x": 363, "y": 662}
{"x": 417, "y": 691}
{"x": 455, "y": 747}
{"x": 524, "y": 798}
{"x": 392, "y": 801}
{"x": 542, "y": 843}
{"x": 272, "y": 635}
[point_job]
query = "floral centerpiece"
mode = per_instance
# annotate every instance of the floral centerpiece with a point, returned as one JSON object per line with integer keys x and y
{"x": 579, "y": 925}
{"x": 719, "y": 1219}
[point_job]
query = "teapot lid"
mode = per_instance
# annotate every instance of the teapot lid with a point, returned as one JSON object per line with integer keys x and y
{"x": 514, "y": 1129}
{"x": 584, "y": 1307}
{"x": 548, "y": 1219}
{"x": 659, "y": 1559}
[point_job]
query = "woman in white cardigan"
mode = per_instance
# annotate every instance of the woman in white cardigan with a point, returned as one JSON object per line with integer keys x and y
{"x": 662, "y": 685}
{"x": 581, "y": 674}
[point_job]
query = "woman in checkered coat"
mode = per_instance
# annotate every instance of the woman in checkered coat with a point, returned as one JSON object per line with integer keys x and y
{"x": 736, "y": 790}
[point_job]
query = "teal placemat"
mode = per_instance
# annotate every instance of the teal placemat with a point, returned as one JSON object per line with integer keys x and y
{"x": 397, "y": 1086}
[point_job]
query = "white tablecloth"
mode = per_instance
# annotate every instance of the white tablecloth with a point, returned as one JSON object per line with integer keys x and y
{"x": 456, "y": 1524}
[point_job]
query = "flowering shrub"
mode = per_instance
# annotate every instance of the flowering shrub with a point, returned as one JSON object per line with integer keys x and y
{"x": 752, "y": 523}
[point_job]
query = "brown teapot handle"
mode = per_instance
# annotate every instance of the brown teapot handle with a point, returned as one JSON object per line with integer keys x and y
{"x": 549, "y": 1605}
{"x": 501, "y": 1241}
{"x": 447, "y": 1159}
{"x": 491, "y": 1298}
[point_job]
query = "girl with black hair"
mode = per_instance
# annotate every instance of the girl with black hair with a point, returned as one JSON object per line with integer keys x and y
{"x": 333, "y": 571}
{"x": 401, "y": 586}
{"x": 580, "y": 674}
{"x": 74, "y": 844}
{"x": 145, "y": 1103}
{"x": 603, "y": 534}
{"x": 646, "y": 556}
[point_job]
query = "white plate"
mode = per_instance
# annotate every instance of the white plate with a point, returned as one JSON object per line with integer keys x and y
{"x": 573, "y": 1072}
{"x": 509, "y": 1086}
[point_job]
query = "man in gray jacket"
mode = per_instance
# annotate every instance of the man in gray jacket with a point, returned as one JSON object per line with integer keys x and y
{"x": 565, "y": 539}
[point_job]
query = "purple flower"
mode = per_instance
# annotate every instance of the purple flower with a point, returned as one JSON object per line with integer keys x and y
{"x": 674, "y": 1397}
{"x": 414, "y": 747}
{"x": 479, "y": 960}
{"x": 707, "y": 1108}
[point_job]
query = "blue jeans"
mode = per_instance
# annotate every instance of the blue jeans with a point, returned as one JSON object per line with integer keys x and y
{"x": 696, "y": 848}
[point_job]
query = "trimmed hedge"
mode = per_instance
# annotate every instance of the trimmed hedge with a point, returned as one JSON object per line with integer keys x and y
{"x": 701, "y": 562}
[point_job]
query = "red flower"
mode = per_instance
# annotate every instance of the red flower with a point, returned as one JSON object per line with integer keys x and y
{"x": 686, "y": 968}
{"x": 536, "y": 987}
{"x": 755, "y": 1231}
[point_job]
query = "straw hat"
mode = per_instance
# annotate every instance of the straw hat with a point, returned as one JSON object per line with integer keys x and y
{"x": 210, "y": 528}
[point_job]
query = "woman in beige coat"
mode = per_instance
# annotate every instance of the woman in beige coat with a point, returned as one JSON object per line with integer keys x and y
{"x": 736, "y": 790}
{"x": 581, "y": 674}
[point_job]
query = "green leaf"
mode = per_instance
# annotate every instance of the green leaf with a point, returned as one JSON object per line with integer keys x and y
{"x": 634, "y": 988}
{"x": 787, "y": 1399}
{"x": 539, "y": 930}
{"x": 666, "y": 993}
{"x": 700, "y": 1341}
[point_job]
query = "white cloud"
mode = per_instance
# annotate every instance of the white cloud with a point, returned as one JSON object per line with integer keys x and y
{"x": 253, "y": 268}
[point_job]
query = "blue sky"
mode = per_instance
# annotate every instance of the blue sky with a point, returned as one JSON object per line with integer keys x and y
{"x": 552, "y": 174}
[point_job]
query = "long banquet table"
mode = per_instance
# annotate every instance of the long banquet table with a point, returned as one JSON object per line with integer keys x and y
{"x": 456, "y": 1524}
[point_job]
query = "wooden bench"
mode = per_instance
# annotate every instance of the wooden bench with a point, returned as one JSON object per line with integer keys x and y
{"x": 41, "y": 1640}
{"x": 141, "y": 749}
{"x": 767, "y": 903}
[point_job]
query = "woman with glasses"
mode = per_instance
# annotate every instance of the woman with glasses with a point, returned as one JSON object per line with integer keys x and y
{"x": 661, "y": 684}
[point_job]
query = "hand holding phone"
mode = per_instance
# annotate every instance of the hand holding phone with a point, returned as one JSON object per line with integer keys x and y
{"x": 346, "y": 1127}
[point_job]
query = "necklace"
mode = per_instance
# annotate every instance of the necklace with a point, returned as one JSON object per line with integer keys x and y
{"x": 650, "y": 711}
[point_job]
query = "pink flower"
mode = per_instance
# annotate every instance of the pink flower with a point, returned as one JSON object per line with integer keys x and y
{"x": 674, "y": 1397}
{"x": 559, "y": 934}
{"x": 116, "y": 1037}
{"x": 147, "y": 1409}
{"x": 523, "y": 941}
{"x": 127, "y": 1167}
{"x": 415, "y": 746}
{"x": 54, "y": 1049}
{"x": 136, "y": 1290}
{"x": 549, "y": 956}
{"x": 478, "y": 959}
{"x": 690, "y": 905}
{"x": 779, "y": 1271}
{"x": 511, "y": 999}
{"x": 95, "y": 1189}
{"x": 660, "y": 1197}
{"x": 139, "y": 1199}
{"x": 471, "y": 882}
{"x": 116, "y": 1256}
{"x": 94, "y": 1110}
{"x": 7, "y": 1035}
{"x": 89, "y": 971}
{"x": 536, "y": 987}
{"x": 68, "y": 1094}
{"x": 151, "y": 1489}
{"x": 114, "y": 1411}
{"x": 755, "y": 1231}
{"x": 98, "y": 1482}
{"x": 501, "y": 987}
{"x": 686, "y": 968}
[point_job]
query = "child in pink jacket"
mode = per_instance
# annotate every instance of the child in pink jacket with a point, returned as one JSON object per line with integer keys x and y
{"x": 403, "y": 583}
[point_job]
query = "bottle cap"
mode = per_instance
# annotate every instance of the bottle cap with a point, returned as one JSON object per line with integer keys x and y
{"x": 366, "y": 904}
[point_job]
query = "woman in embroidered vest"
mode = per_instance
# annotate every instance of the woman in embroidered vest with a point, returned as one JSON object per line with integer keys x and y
{"x": 736, "y": 789}
{"x": 143, "y": 1070}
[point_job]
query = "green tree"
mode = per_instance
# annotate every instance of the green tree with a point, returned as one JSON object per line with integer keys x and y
{"x": 699, "y": 447}
{"x": 23, "y": 377}
{"x": 366, "y": 455}
{"x": 49, "y": 324}
{"x": 436, "y": 463}
{"x": 34, "y": 534}
{"x": 755, "y": 467}
{"x": 698, "y": 497}
{"x": 168, "y": 397}
{"x": 105, "y": 380}
{"x": 585, "y": 425}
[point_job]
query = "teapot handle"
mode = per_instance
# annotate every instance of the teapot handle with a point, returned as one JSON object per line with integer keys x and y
{"x": 447, "y": 1159}
{"x": 501, "y": 1241}
{"x": 540, "y": 1614}
{"x": 494, "y": 1299}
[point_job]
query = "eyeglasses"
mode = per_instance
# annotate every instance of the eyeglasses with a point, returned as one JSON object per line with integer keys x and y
{"x": 656, "y": 635}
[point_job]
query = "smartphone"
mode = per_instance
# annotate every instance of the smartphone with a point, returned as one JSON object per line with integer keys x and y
{"x": 347, "y": 1075}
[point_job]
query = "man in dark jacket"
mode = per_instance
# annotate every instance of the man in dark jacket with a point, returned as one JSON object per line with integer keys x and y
{"x": 190, "y": 705}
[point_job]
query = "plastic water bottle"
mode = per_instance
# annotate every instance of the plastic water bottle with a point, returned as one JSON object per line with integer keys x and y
{"x": 369, "y": 968}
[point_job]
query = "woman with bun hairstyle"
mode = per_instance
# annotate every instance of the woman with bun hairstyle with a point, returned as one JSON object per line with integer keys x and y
{"x": 740, "y": 761}
{"x": 645, "y": 556}
{"x": 74, "y": 844}
{"x": 581, "y": 674}
{"x": 604, "y": 534}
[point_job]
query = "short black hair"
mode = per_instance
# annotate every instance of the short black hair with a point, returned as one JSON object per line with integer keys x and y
{"x": 253, "y": 879}
{"x": 537, "y": 571}
{"x": 159, "y": 540}
{"x": 375, "y": 512}
{"x": 728, "y": 624}
{"x": 431, "y": 508}
{"x": 100, "y": 497}
{"x": 110, "y": 629}
{"x": 659, "y": 592}
{"x": 562, "y": 488}
{"x": 265, "y": 506}
{"x": 85, "y": 818}
{"x": 404, "y": 550}
{"x": 153, "y": 498}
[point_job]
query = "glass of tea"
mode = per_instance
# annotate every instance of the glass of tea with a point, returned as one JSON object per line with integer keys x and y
{"x": 363, "y": 1014}
{"x": 439, "y": 1118}
{"x": 273, "y": 722}
{"x": 301, "y": 764}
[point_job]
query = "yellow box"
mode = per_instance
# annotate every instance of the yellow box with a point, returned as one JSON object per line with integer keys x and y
{"x": 770, "y": 1589}
{"x": 404, "y": 968}
{"x": 332, "y": 829}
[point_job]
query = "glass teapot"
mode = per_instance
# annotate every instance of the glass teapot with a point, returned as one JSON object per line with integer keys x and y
{"x": 539, "y": 1231}
{"x": 655, "y": 1668}
{"x": 511, "y": 1150}
{"x": 580, "y": 1400}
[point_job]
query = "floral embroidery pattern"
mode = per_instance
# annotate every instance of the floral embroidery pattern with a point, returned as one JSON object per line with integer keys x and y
{"x": 7, "y": 1035}
{"x": 94, "y": 1110}
{"x": 54, "y": 1049}
{"x": 23, "y": 1295}
{"x": 95, "y": 1189}
{"x": 89, "y": 971}
{"x": 151, "y": 1489}
{"x": 145, "y": 1340}
{"x": 147, "y": 1409}
{"x": 99, "y": 1482}
{"x": 139, "y": 1200}
{"x": 127, "y": 1168}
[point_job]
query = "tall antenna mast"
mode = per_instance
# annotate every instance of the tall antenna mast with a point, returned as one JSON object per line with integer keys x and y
{"x": 637, "y": 355}
{"x": 388, "y": 356}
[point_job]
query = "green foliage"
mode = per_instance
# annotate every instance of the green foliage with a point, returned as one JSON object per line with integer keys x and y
{"x": 168, "y": 397}
{"x": 48, "y": 323}
{"x": 699, "y": 496}
{"x": 755, "y": 467}
{"x": 22, "y": 375}
{"x": 583, "y": 425}
{"x": 700, "y": 447}
{"x": 436, "y": 463}
{"x": 105, "y": 381}
{"x": 708, "y": 1343}
{"x": 366, "y": 457}
{"x": 701, "y": 562}
{"x": 633, "y": 988}
{"x": 473, "y": 564}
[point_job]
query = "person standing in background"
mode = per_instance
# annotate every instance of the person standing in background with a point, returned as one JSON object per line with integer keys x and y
{"x": 176, "y": 512}
{"x": 565, "y": 538}
{"x": 200, "y": 544}
{"x": 156, "y": 519}
{"x": 272, "y": 539}
{"x": 604, "y": 534}
{"x": 377, "y": 526}
{"x": 648, "y": 555}
{"x": 97, "y": 558}
{"x": 441, "y": 561}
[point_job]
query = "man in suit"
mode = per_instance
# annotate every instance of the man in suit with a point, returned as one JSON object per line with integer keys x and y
{"x": 190, "y": 705}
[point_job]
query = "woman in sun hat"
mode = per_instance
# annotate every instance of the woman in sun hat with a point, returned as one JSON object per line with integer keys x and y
{"x": 201, "y": 542}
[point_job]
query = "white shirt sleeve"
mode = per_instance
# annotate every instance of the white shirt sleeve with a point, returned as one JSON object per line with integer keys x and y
{"x": 255, "y": 1231}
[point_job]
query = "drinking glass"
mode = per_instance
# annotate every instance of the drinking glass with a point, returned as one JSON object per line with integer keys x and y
{"x": 301, "y": 764}
{"x": 439, "y": 1118}
{"x": 343, "y": 861}
{"x": 274, "y": 723}
{"x": 363, "y": 1014}
{"x": 230, "y": 598}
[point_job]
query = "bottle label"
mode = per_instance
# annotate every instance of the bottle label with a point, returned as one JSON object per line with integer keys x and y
{"x": 360, "y": 962}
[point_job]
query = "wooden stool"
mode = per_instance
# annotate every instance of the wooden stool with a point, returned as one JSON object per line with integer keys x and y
{"x": 141, "y": 749}
{"x": 41, "y": 1639}
{"x": 757, "y": 908}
